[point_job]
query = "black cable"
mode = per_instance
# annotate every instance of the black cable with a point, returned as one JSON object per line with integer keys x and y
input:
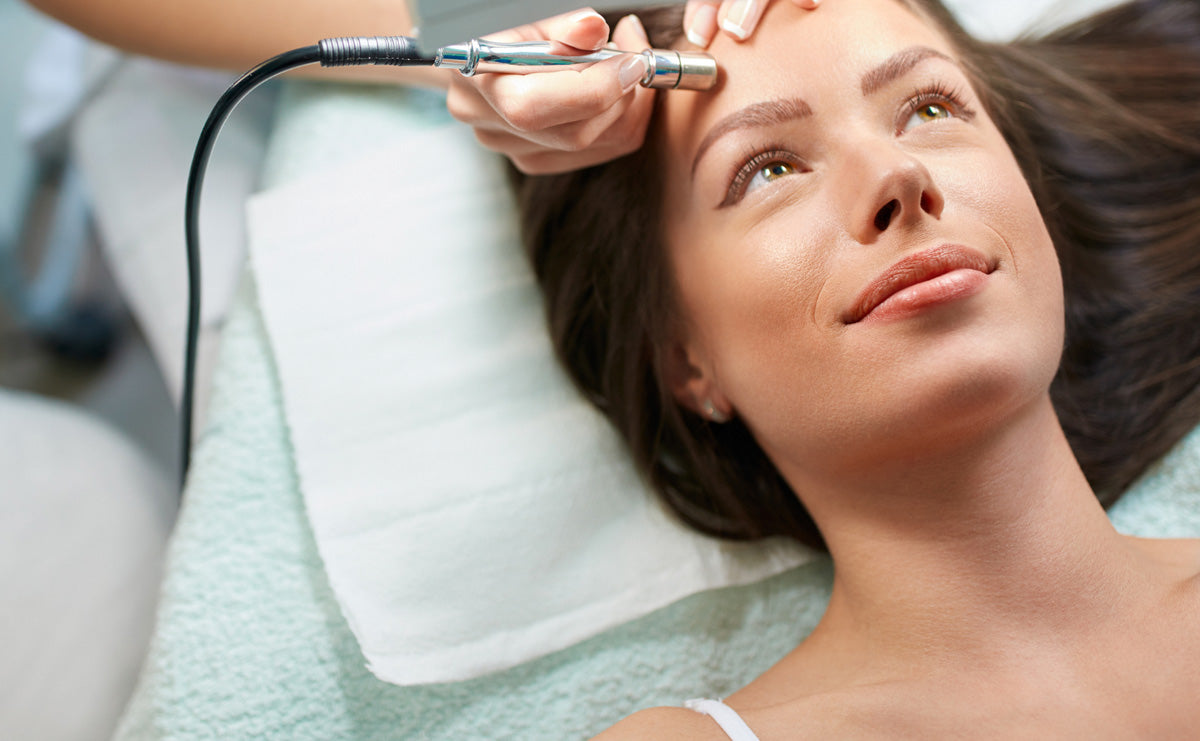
{"x": 398, "y": 51}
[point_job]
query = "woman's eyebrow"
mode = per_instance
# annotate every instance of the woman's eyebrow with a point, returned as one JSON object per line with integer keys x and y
{"x": 772, "y": 112}
{"x": 897, "y": 65}
{"x": 766, "y": 113}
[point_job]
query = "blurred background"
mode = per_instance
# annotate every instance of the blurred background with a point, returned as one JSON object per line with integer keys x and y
{"x": 93, "y": 162}
{"x": 65, "y": 332}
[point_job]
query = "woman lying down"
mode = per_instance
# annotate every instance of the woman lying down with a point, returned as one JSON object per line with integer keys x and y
{"x": 927, "y": 303}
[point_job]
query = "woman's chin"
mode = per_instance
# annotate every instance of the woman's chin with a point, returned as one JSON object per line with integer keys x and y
{"x": 924, "y": 405}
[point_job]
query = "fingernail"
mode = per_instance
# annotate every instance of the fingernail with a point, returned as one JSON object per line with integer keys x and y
{"x": 632, "y": 71}
{"x": 741, "y": 18}
{"x": 704, "y": 24}
{"x": 636, "y": 22}
{"x": 584, "y": 15}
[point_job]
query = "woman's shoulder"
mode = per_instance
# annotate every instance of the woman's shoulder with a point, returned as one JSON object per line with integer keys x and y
{"x": 1177, "y": 557}
{"x": 664, "y": 724}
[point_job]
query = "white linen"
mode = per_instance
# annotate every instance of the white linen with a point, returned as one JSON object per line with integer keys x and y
{"x": 84, "y": 519}
{"x": 998, "y": 21}
{"x": 472, "y": 511}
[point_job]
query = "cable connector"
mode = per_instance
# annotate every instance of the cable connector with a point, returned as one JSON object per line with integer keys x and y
{"x": 395, "y": 51}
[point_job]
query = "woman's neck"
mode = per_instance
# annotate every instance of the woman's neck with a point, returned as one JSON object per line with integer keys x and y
{"x": 995, "y": 550}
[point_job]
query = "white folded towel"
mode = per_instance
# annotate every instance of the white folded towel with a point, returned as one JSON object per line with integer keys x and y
{"x": 472, "y": 511}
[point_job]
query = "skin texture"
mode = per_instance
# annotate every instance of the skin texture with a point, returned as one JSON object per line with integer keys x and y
{"x": 980, "y": 591}
{"x": 739, "y": 19}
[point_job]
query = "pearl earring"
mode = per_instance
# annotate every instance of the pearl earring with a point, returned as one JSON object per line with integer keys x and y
{"x": 714, "y": 414}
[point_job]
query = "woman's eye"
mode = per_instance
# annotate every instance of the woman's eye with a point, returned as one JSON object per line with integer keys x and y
{"x": 769, "y": 173}
{"x": 760, "y": 170}
{"x": 926, "y": 112}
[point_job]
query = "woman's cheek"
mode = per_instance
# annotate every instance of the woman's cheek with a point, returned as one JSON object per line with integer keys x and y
{"x": 771, "y": 342}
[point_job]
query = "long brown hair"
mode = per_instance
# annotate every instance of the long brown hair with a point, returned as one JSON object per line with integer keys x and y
{"x": 1104, "y": 118}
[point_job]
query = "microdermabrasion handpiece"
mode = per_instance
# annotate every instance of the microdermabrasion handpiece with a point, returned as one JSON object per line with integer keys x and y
{"x": 665, "y": 68}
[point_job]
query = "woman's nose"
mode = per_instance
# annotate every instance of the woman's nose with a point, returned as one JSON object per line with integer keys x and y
{"x": 888, "y": 189}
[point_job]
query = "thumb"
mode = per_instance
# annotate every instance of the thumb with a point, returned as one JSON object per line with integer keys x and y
{"x": 582, "y": 30}
{"x": 630, "y": 35}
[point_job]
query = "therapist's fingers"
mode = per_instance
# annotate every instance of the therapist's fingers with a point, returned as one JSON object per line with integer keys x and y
{"x": 568, "y": 130}
{"x": 543, "y": 161}
{"x": 535, "y": 102}
{"x": 614, "y": 134}
{"x": 737, "y": 18}
{"x": 621, "y": 128}
{"x": 584, "y": 30}
{"x": 471, "y": 100}
{"x": 539, "y": 104}
{"x": 580, "y": 30}
{"x": 554, "y": 121}
{"x": 700, "y": 21}
{"x": 499, "y": 100}
{"x": 589, "y": 134}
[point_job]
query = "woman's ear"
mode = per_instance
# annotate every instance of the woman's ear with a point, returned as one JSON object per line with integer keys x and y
{"x": 692, "y": 382}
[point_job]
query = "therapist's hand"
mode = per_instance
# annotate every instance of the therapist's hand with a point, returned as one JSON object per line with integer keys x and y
{"x": 737, "y": 18}
{"x": 549, "y": 122}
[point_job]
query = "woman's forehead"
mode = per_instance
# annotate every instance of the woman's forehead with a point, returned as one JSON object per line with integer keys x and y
{"x": 793, "y": 52}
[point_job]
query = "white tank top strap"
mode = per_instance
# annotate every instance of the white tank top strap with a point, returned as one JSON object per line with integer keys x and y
{"x": 725, "y": 716}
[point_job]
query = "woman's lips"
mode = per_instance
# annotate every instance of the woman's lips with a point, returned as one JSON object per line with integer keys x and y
{"x": 934, "y": 276}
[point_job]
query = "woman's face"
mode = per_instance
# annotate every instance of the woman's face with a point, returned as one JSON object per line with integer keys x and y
{"x": 860, "y": 266}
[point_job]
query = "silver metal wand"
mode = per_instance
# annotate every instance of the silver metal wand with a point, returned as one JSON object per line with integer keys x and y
{"x": 665, "y": 68}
